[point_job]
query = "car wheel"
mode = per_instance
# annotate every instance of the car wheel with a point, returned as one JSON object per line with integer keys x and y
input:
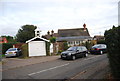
{"x": 85, "y": 55}
{"x": 101, "y": 52}
{"x": 17, "y": 55}
{"x": 73, "y": 57}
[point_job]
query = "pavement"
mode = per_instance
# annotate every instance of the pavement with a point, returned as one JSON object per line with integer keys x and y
{"x": 11, "y": 63}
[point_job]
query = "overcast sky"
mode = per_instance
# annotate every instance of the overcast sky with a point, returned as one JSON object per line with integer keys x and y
{"x": 98, "y": 15}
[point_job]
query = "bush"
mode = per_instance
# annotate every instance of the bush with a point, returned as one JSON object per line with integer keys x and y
{"x": 65, "y": 46}
{"x": 101, "y": 42}
{"x": 24, "y": 49}
{"x": 59, "y": 52}
{"x": 112, "y": 38}
{"x": 48, "y": 48}
{"x": 88, "y": 45}
{"x": 6, "y": 46}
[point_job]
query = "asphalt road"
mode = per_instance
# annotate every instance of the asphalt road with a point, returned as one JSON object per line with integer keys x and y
{"x": 91, "y": 67}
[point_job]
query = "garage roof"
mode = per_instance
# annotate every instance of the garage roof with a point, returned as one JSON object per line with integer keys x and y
{"x": 37, "y": 38}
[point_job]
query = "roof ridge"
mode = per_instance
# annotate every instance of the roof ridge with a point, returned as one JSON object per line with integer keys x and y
{"x": 71, "y": 29}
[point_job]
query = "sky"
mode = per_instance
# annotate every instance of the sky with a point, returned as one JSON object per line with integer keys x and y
{"x": 98, "y": 15}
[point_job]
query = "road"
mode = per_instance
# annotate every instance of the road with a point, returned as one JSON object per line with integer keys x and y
{"x": 91, "y": 67}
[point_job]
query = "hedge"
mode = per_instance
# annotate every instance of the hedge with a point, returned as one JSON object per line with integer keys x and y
{"x": 112, "y": 39}
{"x": 24, "y": 49}
{"x": 48, "y": 48}
{"x": 6, "y": 46}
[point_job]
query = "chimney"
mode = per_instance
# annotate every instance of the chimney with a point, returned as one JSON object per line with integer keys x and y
{"x": 52, "y": 32}
{"x": 84, "y": 25}
{"x": 48, "y": 32}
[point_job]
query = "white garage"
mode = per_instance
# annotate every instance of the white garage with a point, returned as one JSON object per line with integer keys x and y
{"x": 37, "y": 46}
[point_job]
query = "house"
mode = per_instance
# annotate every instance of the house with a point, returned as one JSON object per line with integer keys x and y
{"x": 3, "y": 40}
{"x": 37, "y": 45}
{"x": 74, "y": 36}
{"x": 98, "y": 37}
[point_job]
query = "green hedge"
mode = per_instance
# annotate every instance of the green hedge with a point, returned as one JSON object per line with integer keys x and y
{"x": 101, "y": 42}
{"x": 24, "y": 49}
{"x": 112, "y": 38}
{"x": 6, "y": 46}
{"x": 48, "y": 48}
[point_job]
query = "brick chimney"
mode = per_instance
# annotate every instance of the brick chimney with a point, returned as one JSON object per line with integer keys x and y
{"x": 52, "y": 32}
{"x": 48, "y": 32}
{"x": 84, "y": 25}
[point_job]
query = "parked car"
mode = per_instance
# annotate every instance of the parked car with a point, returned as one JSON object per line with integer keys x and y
{"x": 13, "y": 52}
{"x": 74, "y": 52}
{"x": 98, "y": 49}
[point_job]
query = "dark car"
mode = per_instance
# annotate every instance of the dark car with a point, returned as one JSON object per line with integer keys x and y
{"x": 74, "y": 52}
{"x": 13, "y": 52}
{"x": 98, "y": 49}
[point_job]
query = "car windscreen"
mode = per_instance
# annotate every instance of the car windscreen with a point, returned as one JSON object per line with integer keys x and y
{"x": 96, "y": 46}
{"x": 12, "y": 49}
{"x": 72, "y": 48}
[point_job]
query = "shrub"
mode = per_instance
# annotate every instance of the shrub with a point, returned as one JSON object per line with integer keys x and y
{"x": 6, "y": 46}
{"x": 65, "y": 46}
{"x": 88, "y": 45}
{"x": 112, "y": 38}
{"x": 53, "y": 39}
{"x": 24, "y": 49}
{"x": 60, "y": 51}
{"x": 48, "y": 48}
{"x": 101, "y": 42}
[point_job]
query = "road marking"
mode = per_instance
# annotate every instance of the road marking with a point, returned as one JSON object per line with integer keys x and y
{"x": 48, "y": 69}
{"x": 78, "y": 74}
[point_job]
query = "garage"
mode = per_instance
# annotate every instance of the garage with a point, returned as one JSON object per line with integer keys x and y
{"x": 37, "y": 46}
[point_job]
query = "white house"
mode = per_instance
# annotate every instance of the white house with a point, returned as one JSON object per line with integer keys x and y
{"x": 37, "y": 45}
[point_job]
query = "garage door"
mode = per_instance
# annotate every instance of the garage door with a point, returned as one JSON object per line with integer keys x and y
{"x": 37, "y": 48}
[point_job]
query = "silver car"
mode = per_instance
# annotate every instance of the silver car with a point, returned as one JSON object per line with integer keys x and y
{"x": 13, "y": 52}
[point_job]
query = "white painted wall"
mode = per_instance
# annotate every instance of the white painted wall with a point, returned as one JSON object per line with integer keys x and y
{"x": 37, "y": 48}
{"x": 51, "y": 48}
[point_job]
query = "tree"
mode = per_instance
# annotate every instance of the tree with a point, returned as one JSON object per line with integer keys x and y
{"x": 25, "y": 33}
{"x": 10, "y": 39}
{"x": 53, "y": 39}
{"x": 112, "y": 39}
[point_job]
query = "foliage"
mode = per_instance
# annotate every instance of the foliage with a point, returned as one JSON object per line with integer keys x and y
{"x": 60, "y": 51}
{"x": 112, "y": 38}
{"x": 6, "y": 46}
{"x": 48, "y": 48}
{"x": 101, "y": 42}
{"x": 53, "y": 39}
{"x": 10, "y": 39}
{"x": 24, "y": 49}
{"x": 25, "y": 33}
{"x": 88, "y": 44}
{"x": 65, "y": 46}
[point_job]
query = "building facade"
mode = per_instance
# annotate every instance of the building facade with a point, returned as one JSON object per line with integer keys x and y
{"x": 75, "y": 36}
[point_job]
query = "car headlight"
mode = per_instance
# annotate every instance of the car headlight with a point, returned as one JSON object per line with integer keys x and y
{"x": 69, "y": 53}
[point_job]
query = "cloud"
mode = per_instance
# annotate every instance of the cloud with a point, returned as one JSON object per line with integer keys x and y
{"x": 57, "y": 14}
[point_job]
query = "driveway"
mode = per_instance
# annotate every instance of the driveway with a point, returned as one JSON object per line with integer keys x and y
{"x": 11, "y": 63}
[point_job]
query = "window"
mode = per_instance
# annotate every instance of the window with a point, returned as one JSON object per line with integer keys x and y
{"x": 84, "y": 48}
{"x": 72, "y": 48}
{"x": 68, "y": 42}
{"x": 80, "y": 49}
{"x": 37, "y": 34}
{"x": 37, "y": 31}
{"x": 77, "y": 42}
